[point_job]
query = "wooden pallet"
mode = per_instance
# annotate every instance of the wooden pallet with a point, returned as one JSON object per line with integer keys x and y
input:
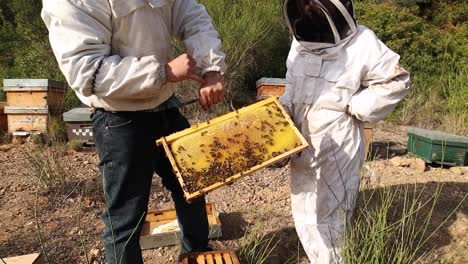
{"x": 167, "y": 141}
{"x": 214, "y": 257}
{"x": 156, "y": 219}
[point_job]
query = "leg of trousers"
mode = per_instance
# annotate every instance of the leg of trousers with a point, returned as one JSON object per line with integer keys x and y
{"x": 324, "y": 187}
{"x": 125, "y": 142}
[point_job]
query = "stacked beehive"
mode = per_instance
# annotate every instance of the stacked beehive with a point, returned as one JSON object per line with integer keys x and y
{"x": 30, "y": 104}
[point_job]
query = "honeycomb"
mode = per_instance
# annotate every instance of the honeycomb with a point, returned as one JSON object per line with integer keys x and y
{"x": 222, "y": 150}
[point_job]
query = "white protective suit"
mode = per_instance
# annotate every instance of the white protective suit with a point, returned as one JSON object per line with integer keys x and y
{"x": 332, "y": 89}
{"x": 113, "y": 52}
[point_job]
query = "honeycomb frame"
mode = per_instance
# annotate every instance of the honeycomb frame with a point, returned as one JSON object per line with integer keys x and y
{"x": 191, "y": 192}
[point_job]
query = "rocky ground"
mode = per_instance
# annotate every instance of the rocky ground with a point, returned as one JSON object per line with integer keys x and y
{"x": 64, "y": 216}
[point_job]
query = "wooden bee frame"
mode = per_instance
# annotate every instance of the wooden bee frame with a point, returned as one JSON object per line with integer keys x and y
{"x": 167, "y": 141}
{"x": 213, "y": 257}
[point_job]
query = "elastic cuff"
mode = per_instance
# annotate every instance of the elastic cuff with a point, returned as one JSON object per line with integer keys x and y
{"x": 213, "y": 69}
{"x": 162, "y": 75}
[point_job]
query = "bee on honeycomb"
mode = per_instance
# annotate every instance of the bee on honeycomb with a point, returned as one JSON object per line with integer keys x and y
{"x": 233, "y": 146}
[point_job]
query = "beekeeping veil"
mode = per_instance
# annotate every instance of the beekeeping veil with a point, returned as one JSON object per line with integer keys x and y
{"x": 319, "y": 24}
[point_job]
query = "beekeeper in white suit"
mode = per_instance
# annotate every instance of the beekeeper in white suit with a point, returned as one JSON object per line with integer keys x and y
{"x": 116, "y": 56}
{"x": 340, "y": 75}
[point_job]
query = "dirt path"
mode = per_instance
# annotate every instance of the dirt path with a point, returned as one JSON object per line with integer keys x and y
{"x": 69, "y": 213}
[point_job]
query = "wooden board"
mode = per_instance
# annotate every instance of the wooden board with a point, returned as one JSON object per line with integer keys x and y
{"x": 53, "y": 99}
{"x": 155, "y": 219}
{"x": 27, "y": 122}
{"x": 212, "y": 257}
{"x": 231, "y": 118}
{"x": 27, "y": 99}
{"x": 26, "y": 259}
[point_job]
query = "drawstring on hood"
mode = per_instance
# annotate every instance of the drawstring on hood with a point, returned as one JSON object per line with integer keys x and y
{"x": 320, "y": 24}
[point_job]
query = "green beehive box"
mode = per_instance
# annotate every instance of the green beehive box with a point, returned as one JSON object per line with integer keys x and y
{"x": 438, "y": 147}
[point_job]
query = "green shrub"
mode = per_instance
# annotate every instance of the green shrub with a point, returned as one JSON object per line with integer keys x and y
{"x": 432, "y": 45}
{"x": 255, "y": 41}
{"x": 56, "y": 131}
{"x": 2, "y": 95}
{"x": 75, "y": 145}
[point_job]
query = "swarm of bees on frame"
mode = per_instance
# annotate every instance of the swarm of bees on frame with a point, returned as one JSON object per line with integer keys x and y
{"x": 222, "y": 150}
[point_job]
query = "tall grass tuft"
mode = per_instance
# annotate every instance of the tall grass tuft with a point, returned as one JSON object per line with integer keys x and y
{"x": 47, "y": 166}
{"x": 256, "y": 247}
{"x": 392, "y": 225}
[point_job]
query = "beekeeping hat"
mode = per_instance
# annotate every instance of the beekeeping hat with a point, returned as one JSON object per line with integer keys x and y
{"x": 320, "y": 23}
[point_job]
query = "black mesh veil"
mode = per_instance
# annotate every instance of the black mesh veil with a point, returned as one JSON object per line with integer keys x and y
{"x": 323, "y": 21}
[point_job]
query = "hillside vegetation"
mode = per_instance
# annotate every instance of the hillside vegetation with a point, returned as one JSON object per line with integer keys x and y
{"x": 430, "y": 36}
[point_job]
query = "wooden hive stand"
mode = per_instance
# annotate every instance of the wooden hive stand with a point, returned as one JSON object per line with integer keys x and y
{"x": 31, "y": 102}
{"x": 213, "y": 257}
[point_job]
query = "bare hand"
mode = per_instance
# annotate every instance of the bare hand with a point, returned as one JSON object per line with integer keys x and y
{"x": 212, "y": 90}
{"x": 182, "y": 68}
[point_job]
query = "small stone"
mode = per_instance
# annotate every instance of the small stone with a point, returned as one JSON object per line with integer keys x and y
{"x": 5, "y": 148}
{"x": 457, "y": 170}
{"x": 73, "y": 231}
{"x": 418, "y": 164}
{"x": 88, "y": 201}
{"x": 94, "y": 252}
{"x": 399, "y": 162}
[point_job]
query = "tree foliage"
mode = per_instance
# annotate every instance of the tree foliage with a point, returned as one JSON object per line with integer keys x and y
{"x": 431, "y": 37}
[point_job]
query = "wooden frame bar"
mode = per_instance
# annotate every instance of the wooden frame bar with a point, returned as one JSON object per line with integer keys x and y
{"x": 212, "y": 257}
{"x": 166, "y": 141}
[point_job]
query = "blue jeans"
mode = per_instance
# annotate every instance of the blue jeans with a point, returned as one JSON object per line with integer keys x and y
{"x": 128, "y": 154}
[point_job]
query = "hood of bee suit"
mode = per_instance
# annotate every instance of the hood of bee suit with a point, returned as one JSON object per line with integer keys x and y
{"x": 324, "y": 24}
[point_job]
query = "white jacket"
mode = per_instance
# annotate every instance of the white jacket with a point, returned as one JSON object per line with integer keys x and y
{"x": 113, "y": 52}
{"x": 362, "y": 73}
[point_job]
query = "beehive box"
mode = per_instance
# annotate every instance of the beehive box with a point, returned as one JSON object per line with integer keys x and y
{"x": 213, "y": 154}
{"x": 438, "y": 147}
{"x": 30, "y": 102}
{"x": 165, "y": 221}
{"x": 267, "y": 87}
{"x": 3, "y": 117}
{"x": 213, "y": 257}
{"x": 79, "y": 125}
{"x": 26, "y": 259}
